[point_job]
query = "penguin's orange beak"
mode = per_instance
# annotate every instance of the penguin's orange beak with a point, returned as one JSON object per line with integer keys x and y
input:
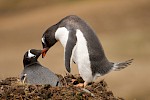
{"x": 44, "y": 51}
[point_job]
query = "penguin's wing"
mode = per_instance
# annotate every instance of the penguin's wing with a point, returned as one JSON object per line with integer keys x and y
{"x": 71, "y": 42}
{"x": 22, "y": 76}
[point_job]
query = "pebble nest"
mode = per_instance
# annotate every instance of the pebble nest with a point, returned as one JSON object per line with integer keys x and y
{"x": 12, "y": 89}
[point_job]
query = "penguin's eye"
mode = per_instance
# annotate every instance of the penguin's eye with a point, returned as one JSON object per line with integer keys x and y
{"x": 30, "y": 55}
{"x": 34, "y": 56}
{"x": 44, "y": 43}
{"x": 43, "y": 40}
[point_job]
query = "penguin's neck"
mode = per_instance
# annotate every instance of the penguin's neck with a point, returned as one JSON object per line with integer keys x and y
{"x": 62, "y": 34}
{"x": 30, "y": 64}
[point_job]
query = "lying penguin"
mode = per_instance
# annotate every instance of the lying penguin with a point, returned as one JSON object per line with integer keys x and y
{"x": 34, "y": 72}
{"x": 81, "y": 46}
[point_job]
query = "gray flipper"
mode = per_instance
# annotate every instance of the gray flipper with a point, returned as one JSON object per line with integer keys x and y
{"x": 71, "y": 42}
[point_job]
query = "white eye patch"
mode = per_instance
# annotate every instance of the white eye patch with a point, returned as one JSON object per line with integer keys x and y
{"x": 43, "y": 40}
{"x": 30, "y": 55}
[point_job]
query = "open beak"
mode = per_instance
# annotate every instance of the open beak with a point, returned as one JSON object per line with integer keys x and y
{"x": 44, "y": 51}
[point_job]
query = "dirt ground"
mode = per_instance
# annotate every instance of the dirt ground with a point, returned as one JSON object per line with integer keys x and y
{"x": 123, "y": 28}
{"x": 11, "y": 89}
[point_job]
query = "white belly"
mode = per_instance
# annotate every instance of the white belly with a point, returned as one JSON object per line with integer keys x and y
{"x": 80, "y": 52}
{"x": 81, "y": 57}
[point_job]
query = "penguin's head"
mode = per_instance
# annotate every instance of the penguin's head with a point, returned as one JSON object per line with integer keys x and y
{"x": 48, "y": 39}
{"x": 31, "y": 56}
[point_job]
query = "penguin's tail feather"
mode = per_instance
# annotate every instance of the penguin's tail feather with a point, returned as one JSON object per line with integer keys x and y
{"x": 121, "y": 65}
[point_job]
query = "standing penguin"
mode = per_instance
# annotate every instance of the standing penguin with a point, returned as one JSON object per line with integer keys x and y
{"x": 82, "y": 46}
{"x": 34, "y": 72}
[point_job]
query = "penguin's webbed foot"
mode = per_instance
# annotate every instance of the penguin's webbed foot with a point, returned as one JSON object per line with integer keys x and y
{"x": 79, "y": 85}
{"x": 82, "y": 84}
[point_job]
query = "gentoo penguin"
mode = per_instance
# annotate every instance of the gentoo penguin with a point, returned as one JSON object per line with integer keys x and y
{"x": 82, "y": 46}
{"x": 34, "y": 72}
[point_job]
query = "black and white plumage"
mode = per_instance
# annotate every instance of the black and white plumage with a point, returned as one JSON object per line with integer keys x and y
{"x": 82, "y": 46}
{"x": 34, "y": 72}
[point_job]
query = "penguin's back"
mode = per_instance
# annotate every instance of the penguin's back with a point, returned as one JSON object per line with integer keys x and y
{"x": 74, "y": 22}
{"x": 37, "y": 74}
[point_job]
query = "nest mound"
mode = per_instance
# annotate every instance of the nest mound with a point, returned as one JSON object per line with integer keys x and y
{"x": 11, "y": 88}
